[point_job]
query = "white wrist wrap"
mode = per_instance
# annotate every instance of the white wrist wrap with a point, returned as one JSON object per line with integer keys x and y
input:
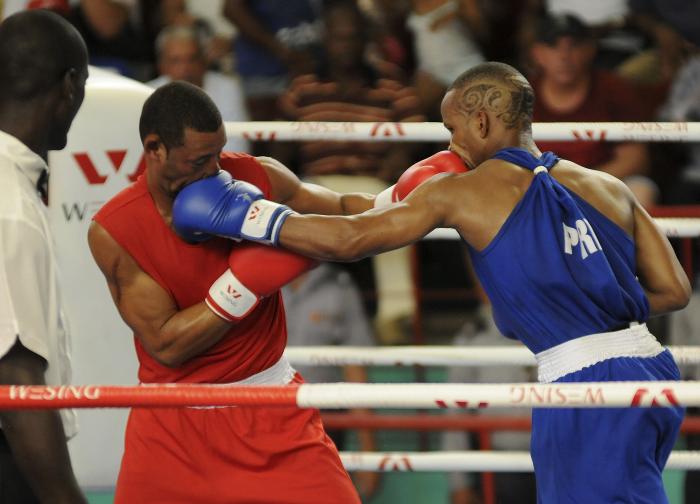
{"x": 384, "y": 198}
{"x": 264, "y": 220}
{"x": 230, "y": 299}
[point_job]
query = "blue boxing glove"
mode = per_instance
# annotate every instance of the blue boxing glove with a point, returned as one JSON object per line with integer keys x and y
{"x": 222, "y": 206}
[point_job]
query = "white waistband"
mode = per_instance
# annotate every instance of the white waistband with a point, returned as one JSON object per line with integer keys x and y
{"x": 585, "y": 351}
{"x": 280, "y": 373}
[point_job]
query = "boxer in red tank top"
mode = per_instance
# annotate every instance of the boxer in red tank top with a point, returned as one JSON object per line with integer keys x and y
{"x": 185, "y": 331}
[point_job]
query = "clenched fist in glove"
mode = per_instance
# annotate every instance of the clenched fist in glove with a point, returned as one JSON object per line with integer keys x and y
{"x": 222, "y": 206}
{"x": 441, "y": 162}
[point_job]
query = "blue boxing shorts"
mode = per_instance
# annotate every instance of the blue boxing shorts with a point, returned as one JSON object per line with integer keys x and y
{"x": 606, "y": 455}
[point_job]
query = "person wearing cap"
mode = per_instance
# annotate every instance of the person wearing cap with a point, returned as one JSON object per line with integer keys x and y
{"x": 570, "y": 89}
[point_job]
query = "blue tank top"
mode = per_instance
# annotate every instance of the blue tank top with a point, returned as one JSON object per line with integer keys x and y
{"x": 558, "y": 269}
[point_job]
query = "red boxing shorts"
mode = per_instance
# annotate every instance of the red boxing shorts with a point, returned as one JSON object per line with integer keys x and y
{"x": 231, "y": 454}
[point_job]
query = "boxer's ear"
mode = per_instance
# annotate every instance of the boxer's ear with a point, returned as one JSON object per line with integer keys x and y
{"x": 154, "y": 148}
{"x": 483, "y": 123}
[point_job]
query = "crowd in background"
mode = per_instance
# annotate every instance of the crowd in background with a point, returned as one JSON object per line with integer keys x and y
{"x": 391, "y": 61}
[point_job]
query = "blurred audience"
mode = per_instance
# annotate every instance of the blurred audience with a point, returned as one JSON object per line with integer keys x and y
{"x": 324, "y": 308}
{"x": 275, "y": 41}
{"x": 219, "y": 33}
{"x": 444, "y": 47}
{"x": 181, "y": 57}
{"x": 683, "y": 104}
{"x": 120, "y": 34}
{"x": 617, "y": 38}
{"x": 674, "y": 27}
{"x": 346, "y": 88}
{"x": 392, "y": 42}
{"x": 684, "y": 329}
{"x": 510, "y": 488}
{"x": 569, "y": 89}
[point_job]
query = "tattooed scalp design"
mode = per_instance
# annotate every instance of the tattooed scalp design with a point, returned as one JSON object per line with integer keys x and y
{"x": 499, "y": 89}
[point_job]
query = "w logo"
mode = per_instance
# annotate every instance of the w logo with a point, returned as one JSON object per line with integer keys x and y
{"x": 116, "y": 159}
{"x": 254, "y": 212}
{"x": 643, "y": 397}
{"x": 260, "y": 135}
{"x": 590, "y": 135}
{"x": 394, "y": 463}
{"x": 231, "y": 291}
{"x": 386, "y": 129}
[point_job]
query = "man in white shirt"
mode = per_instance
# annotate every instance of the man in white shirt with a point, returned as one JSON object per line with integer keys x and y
{"x": 181, "y": 57}
{"x": 43, "y": 61}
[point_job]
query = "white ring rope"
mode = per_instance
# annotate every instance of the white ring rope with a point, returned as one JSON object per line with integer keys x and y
{"x": 487, "y": 395}
{"x": 673, "y": 227}
{"x": 436, "y": 355}
{"x": 472, "y": 461}
{"x": 642, "y": 394}
{"x": 436, "y": 132}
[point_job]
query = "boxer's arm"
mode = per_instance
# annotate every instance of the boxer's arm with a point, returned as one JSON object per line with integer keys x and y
{"x": 665, "y": 283}
{"x": 350, "y": 238}
{"x": 168, "y": 335}
{"x": 311, "y": 198}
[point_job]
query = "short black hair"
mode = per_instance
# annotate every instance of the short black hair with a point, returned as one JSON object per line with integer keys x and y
{"x": 551, "y": 27}
{"x": 176, "y": 106}
{"x": 37, "y": 49}
{"x": 484, "y": 86}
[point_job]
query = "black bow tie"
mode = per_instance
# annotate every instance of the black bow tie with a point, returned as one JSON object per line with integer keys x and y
{"x": 42, "y": 185}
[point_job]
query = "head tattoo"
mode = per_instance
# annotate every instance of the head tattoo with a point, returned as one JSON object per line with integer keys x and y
{"x": 499, "y": 89}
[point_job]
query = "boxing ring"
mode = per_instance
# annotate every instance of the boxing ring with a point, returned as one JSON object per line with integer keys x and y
{"x": 397, "y": 396}
{"x": 98, "y": 181}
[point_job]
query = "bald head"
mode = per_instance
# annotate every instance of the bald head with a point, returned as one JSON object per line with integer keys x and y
{"x": 37, "y": 49}
{"x": 499, "y": 89}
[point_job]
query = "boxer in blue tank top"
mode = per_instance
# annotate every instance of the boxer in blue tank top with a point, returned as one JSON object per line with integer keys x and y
{"x": 573, "y": 267}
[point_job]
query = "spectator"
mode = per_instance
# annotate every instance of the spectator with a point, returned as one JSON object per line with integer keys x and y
{"x": 609, "y": 20}
{"x": 515, "y": 488}
{"x": 346, "y": 88}
{"x": 120, "y": 34}
{"x": 569, "y": 89}
{"x": 275, "y": 40}
{"x": 324, "y": 307}
{"x": 683, "y": 330}
{"x": 683, "y": 104}
{"x": 674, "y": 25}
{"x": 219, "y": 36}
{"x": 181, "y": 57}
{"x": 44, "y": 65}
{"x": 392, "y": 43}
{"x": 510, "y": 488}
{"x": 444, "y": 47}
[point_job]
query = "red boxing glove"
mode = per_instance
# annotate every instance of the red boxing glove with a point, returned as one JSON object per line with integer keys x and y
{"x": 440, "y": 162}
{"x": 255, "y": 271}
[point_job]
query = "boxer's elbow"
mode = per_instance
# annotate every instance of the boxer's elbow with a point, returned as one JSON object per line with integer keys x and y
{"x": 679, "y": 297}
{"x": 169, "y": 359}
{"x": 675, "y": 297}
{"x": 166, "y": 353}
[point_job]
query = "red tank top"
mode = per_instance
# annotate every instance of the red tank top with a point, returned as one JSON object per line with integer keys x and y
{"x": 187, "y": 271}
